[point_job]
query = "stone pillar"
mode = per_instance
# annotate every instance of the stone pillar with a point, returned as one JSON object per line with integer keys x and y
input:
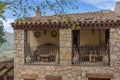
{"x": 65, "y": 46}
{"x": 19, "y": 52}
{"x": 115, "y": 46}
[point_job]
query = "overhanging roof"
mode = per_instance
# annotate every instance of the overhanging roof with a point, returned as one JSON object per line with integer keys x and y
{"x": 89, "y": 20}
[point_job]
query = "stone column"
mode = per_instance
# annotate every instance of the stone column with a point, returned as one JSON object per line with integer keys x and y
{"x": 19, "y": 52}
{"x": 65, "y": 46}
{"x": 115, "y": 46}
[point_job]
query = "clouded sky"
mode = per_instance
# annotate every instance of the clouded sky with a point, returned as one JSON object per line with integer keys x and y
{"x": 84, "y": 6}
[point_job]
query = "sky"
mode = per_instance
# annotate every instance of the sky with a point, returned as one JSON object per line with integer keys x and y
{"x": 84, "y": 6}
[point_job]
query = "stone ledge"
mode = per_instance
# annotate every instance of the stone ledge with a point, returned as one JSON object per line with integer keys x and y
{"x": 29, "y": 76}
{"x": 96, "y": 75}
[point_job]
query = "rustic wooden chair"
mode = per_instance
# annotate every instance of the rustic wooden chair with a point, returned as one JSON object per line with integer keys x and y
{"x": 92, "y": 56}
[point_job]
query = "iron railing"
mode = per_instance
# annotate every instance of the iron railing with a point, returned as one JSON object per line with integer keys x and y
{"x": 90, "y": 55}
{"x": 47, "y": 54}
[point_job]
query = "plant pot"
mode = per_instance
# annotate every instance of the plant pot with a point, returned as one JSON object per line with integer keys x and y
{"x": 57, "y": 60}
{"x": 105, "y": 60}
{"x": 28, "y": 59}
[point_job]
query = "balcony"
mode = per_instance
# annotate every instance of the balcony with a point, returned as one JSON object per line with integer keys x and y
{"x": 90, "y": 55}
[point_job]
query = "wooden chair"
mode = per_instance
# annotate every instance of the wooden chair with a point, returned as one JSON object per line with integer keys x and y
{"x": 92, "y": 57}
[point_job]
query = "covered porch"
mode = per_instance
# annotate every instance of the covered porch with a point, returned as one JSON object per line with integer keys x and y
{"x": 86, "y": 44}
{"x": 42, "y": 47}
{"x": 91, "y": 47}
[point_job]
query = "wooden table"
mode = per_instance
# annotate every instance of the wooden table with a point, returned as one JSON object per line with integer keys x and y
{"x": 45, "y": 57}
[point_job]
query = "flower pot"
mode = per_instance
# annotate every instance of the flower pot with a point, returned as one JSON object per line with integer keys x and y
{"x": 105, "y": 60}
{"x": 28, "y": 59}
{"x": 57, "y": 60}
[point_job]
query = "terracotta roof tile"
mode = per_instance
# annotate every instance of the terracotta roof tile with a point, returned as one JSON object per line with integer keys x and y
{"x": 104, "y": 15}
{"x": 103, "y": 18}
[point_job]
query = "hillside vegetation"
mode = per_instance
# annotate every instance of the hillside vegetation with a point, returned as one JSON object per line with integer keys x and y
{"x": 7, "y": 49}
{"x": 8, "y": 46}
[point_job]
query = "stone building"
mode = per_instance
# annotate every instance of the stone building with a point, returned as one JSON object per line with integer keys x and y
{"x": 86, "y": 47}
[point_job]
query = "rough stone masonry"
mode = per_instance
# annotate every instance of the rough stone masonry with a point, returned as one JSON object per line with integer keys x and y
{"x": 65, "y": 69}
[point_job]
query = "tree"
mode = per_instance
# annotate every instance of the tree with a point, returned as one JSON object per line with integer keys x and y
{"x": 2, "y": 7}
{"x": 21, "y": 8}
{"x": 2, "y": 39}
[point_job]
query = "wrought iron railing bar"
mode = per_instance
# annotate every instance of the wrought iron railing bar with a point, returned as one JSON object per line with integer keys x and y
{"x": 44, "y": 54}
{"x": 84, "y": 55}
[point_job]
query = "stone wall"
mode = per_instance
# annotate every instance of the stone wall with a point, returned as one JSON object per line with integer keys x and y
{"x": 65, "y": 46}
{"x": 65, "y": 69}
{"x": 115, "y": 46}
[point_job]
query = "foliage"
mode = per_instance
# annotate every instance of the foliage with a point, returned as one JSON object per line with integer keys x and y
{"x": 7, "y": 48}
{"x": 8, "y": 45}
{"x": 71, "y": 23}
{"x": 2, "y": 39}
{"x": 22, "y": 8}
{"x": 2, "y": 6}
{"x": 3, "y": 70}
